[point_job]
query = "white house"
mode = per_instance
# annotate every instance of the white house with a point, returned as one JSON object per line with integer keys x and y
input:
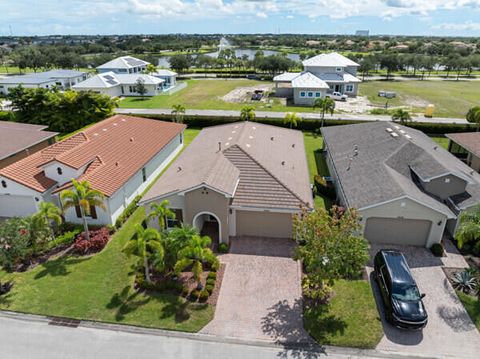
{"x": 63, "y": 79}
{"x": 119, "y": 157}
{"x": 332, "y": 72}
{"x": 168, "y": 76}
{"x": 124, "y": 65}
{"x": 112, "y": 84}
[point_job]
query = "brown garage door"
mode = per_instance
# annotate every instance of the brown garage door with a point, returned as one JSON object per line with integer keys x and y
{"x": 264, "y": 224}
{"x": 397, "y": 231}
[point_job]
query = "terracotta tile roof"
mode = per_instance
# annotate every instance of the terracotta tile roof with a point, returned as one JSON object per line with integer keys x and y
{"x": 268, "y": 164}
{"x": 468, "y": 140}
{"x": 113, "y": 150}
{"x": 16, "y": 137}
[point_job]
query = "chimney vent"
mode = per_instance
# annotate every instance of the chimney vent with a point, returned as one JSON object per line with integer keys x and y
{"x": 271, "y": 138}
{"x": 219, "y": 146}
{"x": 117, "y": 164}
{"x": 283, "y": 163}
{"x": 131, "y": 139}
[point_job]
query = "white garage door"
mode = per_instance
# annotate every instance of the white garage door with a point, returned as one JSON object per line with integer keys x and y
{"x": 397, "y": 231}
{"x": 16, "y": 206}
{"x": 264, "y": 224}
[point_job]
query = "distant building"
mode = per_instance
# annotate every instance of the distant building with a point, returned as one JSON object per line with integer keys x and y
{"x": 64, "y": 79}
{"x": 362, "y": 33}
{"x": 124, "y": 65}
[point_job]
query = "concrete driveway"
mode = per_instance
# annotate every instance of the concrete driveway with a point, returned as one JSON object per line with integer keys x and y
{"x": 260, "y": 296}
{"x": 450, "y": 331}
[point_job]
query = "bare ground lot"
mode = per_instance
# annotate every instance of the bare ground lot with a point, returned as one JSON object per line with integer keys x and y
{"x": 244, "y": 94}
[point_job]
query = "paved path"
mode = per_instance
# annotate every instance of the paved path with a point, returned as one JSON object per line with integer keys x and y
{"x": 281, "y": 115}
{"x": 260, "y": 296}
{"x": 28, "y": 337}
{"x": 450, "y": 333}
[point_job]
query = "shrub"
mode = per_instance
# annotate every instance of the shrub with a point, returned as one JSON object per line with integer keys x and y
{"x": 185, "y": 291}
{"x": 14, "y": 242}
{"x": 98, "y": 240}
{"x": 204, "y": 294}
{"x": 212, "y": 275}
{"x": 210, "y": 281}
{"x": 437, "y": 249}
{"x": 64, "y": 239}
{"x": 127, "y": 212}
{"x": 476, "y": 249}
{"x": 194, "y": 295}
{"x": 223, "y": 248}
{"x": 209, "y": 288}
{"x": 464, "y": 281}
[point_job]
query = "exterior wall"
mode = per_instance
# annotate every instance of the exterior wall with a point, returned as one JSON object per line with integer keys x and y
{"x": 5, "y": 88}
{"x": 298, "y": 100}
{"x": 319, "y": 70}
{"x": 351, "y": 70}
{"x": 22, "y": 154}
{"x": 264, "y": 224}
{"x": 409, "y": 209}
{"x": 133, "y": 70}
{"x": 354, "y": 91}
{"x": 114, "y": 91}
{"x": 200, "y": 201}
{"x": 284, "y": 92}
{"x": 439, "y": 187}
{"x": 333, "y": 174}
{"x": 14, "y": 193}
{"x": 66, "y": 83}
{"x": 176, "y": 201}
{"x": 67, "y": 172}
{"x": 475, "y": 162}
{"x": 152, "y": 90}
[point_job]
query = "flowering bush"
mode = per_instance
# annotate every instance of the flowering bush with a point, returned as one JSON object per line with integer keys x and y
{"x": 14, "y": 242}
{"x": 98, "y": 240}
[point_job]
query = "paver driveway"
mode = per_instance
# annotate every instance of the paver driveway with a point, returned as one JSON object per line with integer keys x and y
{"x": 260, "y": 296}
{"x": 449, "y": 333}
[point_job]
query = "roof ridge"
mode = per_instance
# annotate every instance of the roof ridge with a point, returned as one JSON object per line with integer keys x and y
{"x": 269, "y": 173}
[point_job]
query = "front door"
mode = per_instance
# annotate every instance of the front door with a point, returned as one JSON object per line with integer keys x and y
{"x": 338, "y": 88}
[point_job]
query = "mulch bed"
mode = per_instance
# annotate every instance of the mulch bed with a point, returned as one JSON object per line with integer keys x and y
{"x": 218, "y": 284}
{"x": 54, "y": 253}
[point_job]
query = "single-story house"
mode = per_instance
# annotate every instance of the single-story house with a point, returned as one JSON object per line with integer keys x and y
{"x": 239, "y": 179}
{"x": 115, "y": 85}
{"x": 170, "y": 77}
{"x": 407, "y": 188}
{"x": 124, "y": 65}
{"x": 119, "y": 157}
{"x": 466, "y": 146}
{"x": 63, "y": 79}
{"x": 322, "y": 75}
{"x": 19, "y": 140}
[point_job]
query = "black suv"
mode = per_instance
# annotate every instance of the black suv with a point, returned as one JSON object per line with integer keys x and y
{"x": 403, "y": 302}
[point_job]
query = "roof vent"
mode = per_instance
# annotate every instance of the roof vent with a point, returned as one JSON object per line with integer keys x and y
{"x": 435, "y": 148}
{"x": 131, "y": 139}
{"x": 219, "y": 146}
{"x": 394, "y": 135}
{"x": 389, "y": 130}
{"x": 115, "y": 124}
{"x": 179, "y": 169}
{"x": 402, "y": 132}
{"x": 408, "y": 136}
{"x": 293, "y": 145}
{"x": 271, "y": 138}
{"x": 104, "y": 130}
{"x": 123, "y": 120}
{"x": 117, "y": 164}
{"x": 95, "y": 134}
{"x": 397, "y": 127}
{"x": 283, "y": 163}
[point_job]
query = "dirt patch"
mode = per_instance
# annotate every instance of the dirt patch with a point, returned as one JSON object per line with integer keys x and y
{"x": 415, "y": 101}
{"x": 359, "y": 104}
{"x": 244, "y": 94}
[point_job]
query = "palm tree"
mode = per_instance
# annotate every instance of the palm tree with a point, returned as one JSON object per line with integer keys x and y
{"x": 161, "y": 212}
{"x": 178, "y": 111}
{"x": 82, "y": 197}
{"x": 151, "y": 68}
{"x": 175, "y": 241}
{"x": 473, "y": 116}
{"x": 195, "y": 254}
{"x": 324, "y": 105}
{"x": 50, "y": 214}
{"x": 292, "y": 119}
{"x": 401, "y": 115}
{"x": 247, "y": 113}
{"x": 469, "y": 229}
{"x": 147, "y": 246}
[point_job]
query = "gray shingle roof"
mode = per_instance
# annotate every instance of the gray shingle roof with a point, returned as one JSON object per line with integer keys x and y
{"x": 267, "y": 162}
{"x": 383, "y": 167}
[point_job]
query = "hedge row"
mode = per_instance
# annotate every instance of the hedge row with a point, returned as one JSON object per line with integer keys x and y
{"x": 313, "y": 125}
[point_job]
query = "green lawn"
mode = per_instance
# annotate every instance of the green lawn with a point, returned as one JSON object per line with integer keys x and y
{"x": 207, "y": 95}
{"x": 316, "y": 164}
{"x": 472, "y": 305}
{"x": 14, "y": 70}
{"x": 350, "y": 319}
{"x": 100, "y": 288}
{"x": 451, "y": 98}
{"x": 442, "y": 141}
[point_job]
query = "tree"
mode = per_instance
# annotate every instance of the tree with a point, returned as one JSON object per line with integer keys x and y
{"x": 178, "y": 112}
{"x": 140, "y": 87}
{"x": 196, "y": 253}
{"x": 49, "y": 214}
{"x": 205, "y": 62}
{"x": 151, "y": 68}
{"x": 292, "y": 119}
{"x": 330, "y": 247}
{"x": 401, "y": 115}
{"x": 367, "y": 64}
{"x": 82, "y": 198}
{"x": 390, "y": 62}
{"x": 180, "y": 62}
{"x": 473, "y": 116}
{"x": 161, "y": 212}
{"x": 324, "y": 105}
{"x": 469, "y": 229}
{"x": 147, "y": 246}
{"x": 247, "y": 113}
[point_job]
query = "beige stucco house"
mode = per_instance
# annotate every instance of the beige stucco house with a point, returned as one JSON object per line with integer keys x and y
{"x": 240, "y": 179}
{"x": 407, "y": 188}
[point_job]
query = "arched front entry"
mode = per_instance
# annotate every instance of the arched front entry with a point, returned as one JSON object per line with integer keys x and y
{"x": 209, "y": 224}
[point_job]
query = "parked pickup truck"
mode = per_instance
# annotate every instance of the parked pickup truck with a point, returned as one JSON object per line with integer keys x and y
{"x": 337, "y": 96}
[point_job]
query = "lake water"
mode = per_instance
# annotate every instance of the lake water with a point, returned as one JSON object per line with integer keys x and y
{"x": 163, "y": 61}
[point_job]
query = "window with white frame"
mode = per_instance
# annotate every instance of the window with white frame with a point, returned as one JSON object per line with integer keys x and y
{"x": 302, "y": 94}
{"x": 177, "y": 221}
{"x": 310, "y": 94}
{"x": 349, "y": 88}
{"x": 339, "y": 69}
{"x": 318, "y": 94}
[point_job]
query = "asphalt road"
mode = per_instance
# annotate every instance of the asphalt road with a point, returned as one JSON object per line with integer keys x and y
{"x": 271, "y": 114}
{"x": 28, "y": 337}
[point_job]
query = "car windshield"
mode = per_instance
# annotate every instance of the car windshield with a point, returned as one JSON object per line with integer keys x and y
{"x": 406, "y": 292}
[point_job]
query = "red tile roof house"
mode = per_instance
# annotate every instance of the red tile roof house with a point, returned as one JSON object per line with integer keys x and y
{"x": 119, "y": 156}
{"x": 240, "y": 179}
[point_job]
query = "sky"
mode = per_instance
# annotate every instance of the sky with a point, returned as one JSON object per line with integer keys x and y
{"x": 91, "y": 17}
